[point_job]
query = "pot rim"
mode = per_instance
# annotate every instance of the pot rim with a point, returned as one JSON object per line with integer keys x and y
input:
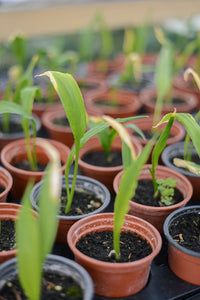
{"x": 63, "y": 261}
{"x": 165, "y": 153}
{"x": 8, "y": 179}
{"x": 171, "y": 218}
{"x": 8, "y": 165}
{"x": 81, "y": 177}
{"x": 116, "y": 266}
{"x": 159, "y": 208}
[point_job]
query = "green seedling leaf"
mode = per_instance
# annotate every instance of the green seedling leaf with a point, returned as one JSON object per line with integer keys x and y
{"x": 163, "y": 77}
{"x": 166, "y": 190}
{"x": 72, "y": 101}
{"x": 28, "y": 95}
{"x": 159, "y": 147}
{"x": 126, "y": 191}
{"x": 35, "y": 235}
{"x": 28, "y": 256}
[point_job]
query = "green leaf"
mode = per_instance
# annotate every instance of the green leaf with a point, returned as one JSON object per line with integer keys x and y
{"x": 28, "y": 254}
{"x": 126, "y": 191}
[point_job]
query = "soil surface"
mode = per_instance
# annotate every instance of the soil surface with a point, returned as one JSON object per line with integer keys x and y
{"x": 13, "y": 128}
{"x": 109, "y": 103}
{"x": 25, "y": 165}
{"x": 97, "y": 158}
{"x": 171, "y": 102}
{"x": 7, "y": 235}
{"x": 54, "y": 287}
{"x": 185, "y": 230}
{"x": 83, "y": 202}
{"x": 61, "y": 122}
{"x": 100, "y": 244}
{"x": 144, "y": 194}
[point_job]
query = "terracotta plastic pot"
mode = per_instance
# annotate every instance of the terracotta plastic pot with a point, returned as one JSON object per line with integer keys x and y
{"x": 177, "y": 150}
{"x": 10, "y": 137}
{"x": 58, "y": 265}
{"x": 91, "y": 84}
{"x": 157, "y": 215}
{"x": 6, "y": 182}
{"x": 15, "y": 152}
{"x": 103, "y": 174}
{"x": 183, "y": 262}
{"x": 187, "y": 104}
{"x": 8, "y": 211}
{"x": 84, "y": 183}
{"x": 177, "y": 132}
{"x": 187, "y": 87}
{"x": 129, "y": 104}
{"x": 115, "y": 279}
{"x": 58, "y": 133}
{"x": 105, "y": 67}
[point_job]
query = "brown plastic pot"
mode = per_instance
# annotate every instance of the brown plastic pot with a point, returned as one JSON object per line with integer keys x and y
{"x": 105, "y": 175}
{"x": 91, "y": 84}
{"x": 102, "y": 68}
{"x": 177, "y": 132}
{"x": 187, "y": 87}
{"x": 9, "y": 211}
{"x": 183, "y": 262}
{"x": 115, "y": 279}
{"x": 129, "y": 104}
{"x": 189, "y": 102}
{"x": 177, "y": 150}
{"x": 84, "y": 183}
{"x": 58, "y": 133}
{"x": 157, "y": 215}
{"x": 16, "y": 120}
{"x": 15, "y": 152}
{"x": 6, "y": 182}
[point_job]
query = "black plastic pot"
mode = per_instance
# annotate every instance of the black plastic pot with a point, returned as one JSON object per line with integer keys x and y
{"x": 57, "y": 264}
{"x": 84, "y": 183}
{"x": 16, "y": 119}
{"x": 177, "y": 150}
{"x": 184, "y": 262}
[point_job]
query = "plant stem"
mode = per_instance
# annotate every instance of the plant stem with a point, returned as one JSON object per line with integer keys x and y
{"x": 70, "y": 194}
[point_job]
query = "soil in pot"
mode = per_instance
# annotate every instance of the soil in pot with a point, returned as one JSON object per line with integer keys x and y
{"x": 13, "y": 128}
{"x": 99, "y": 245}
{"x": 25, "y": 165}
{"x": 98, "y": 158}
{"x": 185, "y": 231}
{"x": 54, "y": 287}
{"x": 7, "y": 235}
{"x": 144, "y": 194}
{"x": 84, "y": 202}
{"x": 61, "y": 122}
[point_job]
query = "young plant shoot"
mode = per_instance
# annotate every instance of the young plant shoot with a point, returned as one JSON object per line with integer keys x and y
{"x": 35, "y": 235}
{"x": 73, "y": 104}
{"x": 188, "y": 145}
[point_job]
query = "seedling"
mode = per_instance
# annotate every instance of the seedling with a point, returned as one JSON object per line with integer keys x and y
{"x": 108, "y": 135}
{"x": 166, "y": 190}
{"x": 25, "y": 109}
{"x": 188, "y": 146}
{"x": 73, "y": 104}
{"x": 35, "y": 235}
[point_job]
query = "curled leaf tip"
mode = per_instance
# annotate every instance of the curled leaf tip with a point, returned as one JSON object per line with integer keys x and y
{"x": 194, "y": 74}
{"x": 174, "y": 112}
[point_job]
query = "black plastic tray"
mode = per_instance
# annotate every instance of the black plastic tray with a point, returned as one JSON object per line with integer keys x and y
{"x": 163, "y": 284}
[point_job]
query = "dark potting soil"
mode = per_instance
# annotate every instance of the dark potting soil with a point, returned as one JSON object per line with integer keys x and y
{"x": 13, "y": 128}
{"x": 85, "y": 87}
{"x": 100, "y": 244}
{"x": 7, "y": 235}
{"x": 25, "y": 165}
{"x": 61, "y": 122}
{"x": 2, "y": 189}
{"x": 171, "y": 102}
{"x": 83, "y": 202}
{"x": 54, "y": 287}
{"x": 109, "y": 103}
{"x": 149, "y": 134}
{"x": 144, "y": 194}
{"x": 97, "y": 158}
{"x": 185, "y": 230}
